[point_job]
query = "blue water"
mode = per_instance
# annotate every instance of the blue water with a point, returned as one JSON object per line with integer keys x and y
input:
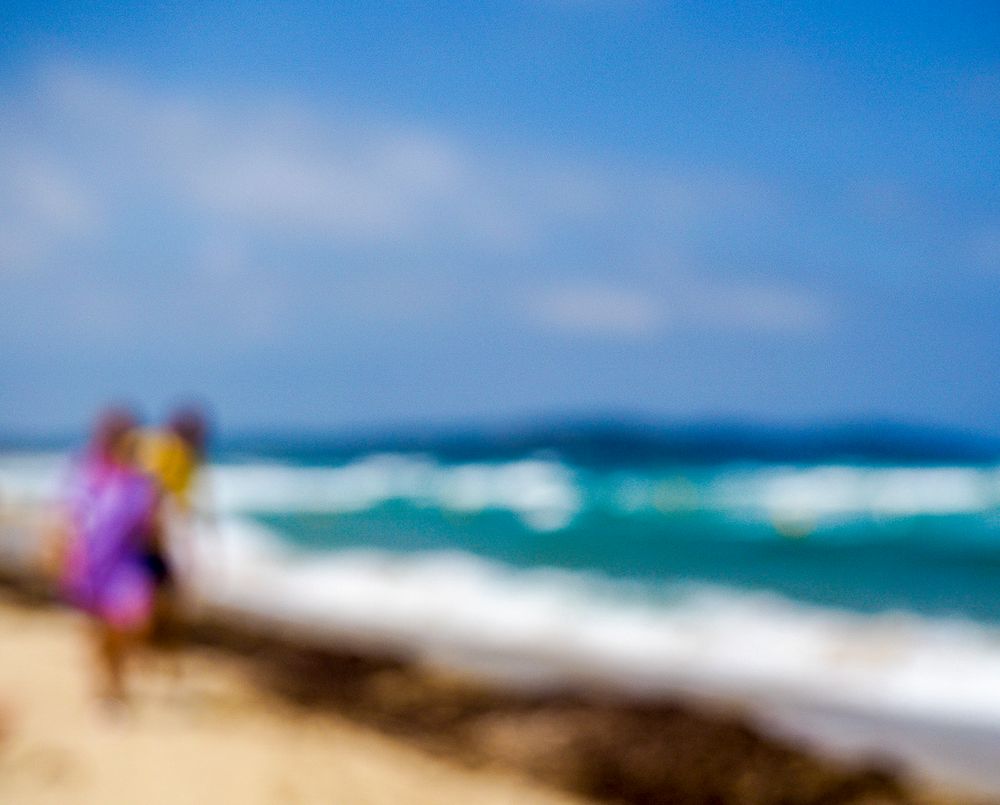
{"x": 921, "y": 539}
{"x": 864, "y": 524}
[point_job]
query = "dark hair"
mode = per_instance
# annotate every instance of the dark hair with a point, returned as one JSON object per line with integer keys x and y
{"x": 190, "y": 424}
{"x": 112, "y": 424}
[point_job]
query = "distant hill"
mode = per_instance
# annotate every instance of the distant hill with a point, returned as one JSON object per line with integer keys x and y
{"x": 609, "y": 442}
{"x": 620, "y": 442}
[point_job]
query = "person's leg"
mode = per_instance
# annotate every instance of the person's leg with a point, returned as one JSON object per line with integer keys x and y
{"x": 124, "y": 615}
{"x": 114, "y": 646}
{"x": 110, "y": 645}
{"x": 166, "y": 635}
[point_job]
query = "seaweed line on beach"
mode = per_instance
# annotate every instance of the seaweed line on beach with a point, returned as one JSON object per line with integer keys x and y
{"x": 594, "y": 744}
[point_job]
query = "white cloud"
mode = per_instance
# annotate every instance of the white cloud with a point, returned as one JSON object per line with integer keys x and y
{"x": 596, "y": 310}
{"x": 620, "y": 312}
{"x": 277, "y": 169}
{"x": 387, "y": 189}
{"x": 758, "y": 308}
{"x": 41, "y": 206}
{"x": 296, "y": 171}
{"x": 239, "y": 190}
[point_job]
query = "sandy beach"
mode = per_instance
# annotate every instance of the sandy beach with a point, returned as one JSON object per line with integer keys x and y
{"x": 254, "y": 719}
{"x": 254, "y": 712}
{"x": 212, "y": 736}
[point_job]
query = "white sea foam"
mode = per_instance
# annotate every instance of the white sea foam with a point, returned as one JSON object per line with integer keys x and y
{"x": 815, "y": 494}
{"x": 542, "y": 493}
{"x": 547, "y": 494}
{"x": 545, "y": 624}
{"x": 831, "y": 492}
{"x": 31, "y": 478}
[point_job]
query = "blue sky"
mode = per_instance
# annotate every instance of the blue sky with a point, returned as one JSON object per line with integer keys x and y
{"x": 329, "y": 216}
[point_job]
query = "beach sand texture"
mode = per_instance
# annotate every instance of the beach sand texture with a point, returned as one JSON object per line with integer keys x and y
{"x": 262, "y": 721}
{"x": 262, "y": 716}
{"x": 212, "y": 738}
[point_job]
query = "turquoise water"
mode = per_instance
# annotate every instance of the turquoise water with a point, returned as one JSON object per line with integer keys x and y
{"x": 865, "y": 538}
{"x": 862, "y": 536}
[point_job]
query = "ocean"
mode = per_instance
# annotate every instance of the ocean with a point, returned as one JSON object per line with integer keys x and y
{"x": 866, "y": 582}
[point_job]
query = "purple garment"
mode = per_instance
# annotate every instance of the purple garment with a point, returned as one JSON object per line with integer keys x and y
{"x": 112, "y": 509}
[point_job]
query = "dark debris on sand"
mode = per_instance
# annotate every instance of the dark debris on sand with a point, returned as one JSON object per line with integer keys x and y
{"x": 607, "y": 749}
{"x": 604, "y": 748}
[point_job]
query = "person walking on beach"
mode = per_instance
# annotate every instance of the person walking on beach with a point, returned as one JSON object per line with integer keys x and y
{"x": 113, "y": 510}
{"x": 172, "y": 456}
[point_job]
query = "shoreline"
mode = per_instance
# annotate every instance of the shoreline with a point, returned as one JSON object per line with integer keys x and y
{"x": 592, "y": 741}
{"x": 548, "y": 745}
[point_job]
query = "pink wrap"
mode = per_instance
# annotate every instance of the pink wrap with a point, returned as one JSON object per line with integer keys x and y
{"x": 112, "y": 510}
